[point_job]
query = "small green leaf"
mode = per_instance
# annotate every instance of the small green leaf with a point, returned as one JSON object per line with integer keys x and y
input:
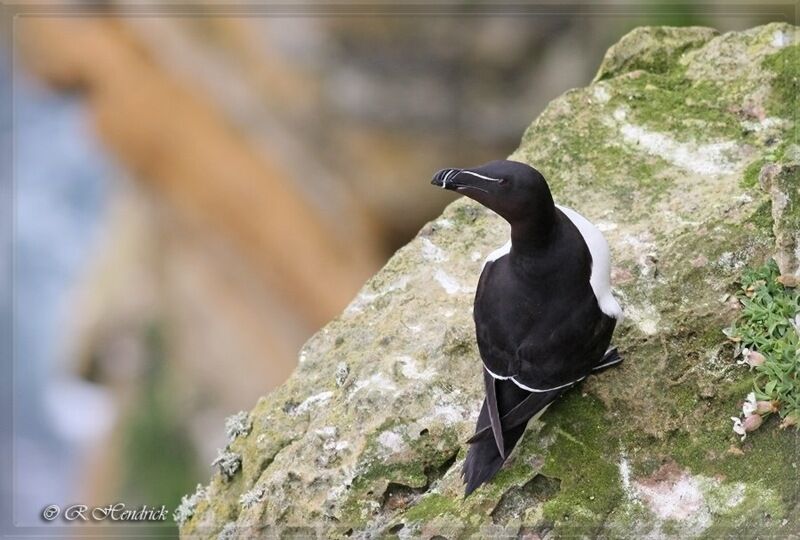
{"x": 770, "y": 388}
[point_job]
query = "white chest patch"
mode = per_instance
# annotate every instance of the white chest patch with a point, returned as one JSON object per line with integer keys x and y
{"x": 600, "y": 279}
{"x": 499, "y": 252}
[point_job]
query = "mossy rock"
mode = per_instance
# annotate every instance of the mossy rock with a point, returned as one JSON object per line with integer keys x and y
{"x": 663, "y": 152}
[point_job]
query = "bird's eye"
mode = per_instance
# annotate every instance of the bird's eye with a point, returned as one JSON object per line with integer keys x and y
{"x": 502, "y": 181}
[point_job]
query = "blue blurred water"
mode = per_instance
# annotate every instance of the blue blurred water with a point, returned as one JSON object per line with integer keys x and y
{"x": 61, "y": 185}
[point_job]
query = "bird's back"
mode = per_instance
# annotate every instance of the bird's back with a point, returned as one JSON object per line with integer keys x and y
{"x": 538, "y": 317}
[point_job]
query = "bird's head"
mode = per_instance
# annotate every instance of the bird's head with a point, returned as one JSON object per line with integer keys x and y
{"x": 515, "y": 191}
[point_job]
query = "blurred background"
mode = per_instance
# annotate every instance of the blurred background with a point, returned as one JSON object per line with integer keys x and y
{"x": 194, "y": 196}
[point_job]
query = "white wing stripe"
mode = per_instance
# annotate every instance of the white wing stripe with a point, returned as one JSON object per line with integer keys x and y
{"x": 542, "y": 390}
{"x": 494, "y": 375}
{"x": 528, "y": 388}
{"x": 617, "y": 361}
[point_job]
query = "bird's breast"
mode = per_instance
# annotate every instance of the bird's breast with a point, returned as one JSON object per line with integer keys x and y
{"x": 505, "y": 310}
{"x": 510, "y": 308}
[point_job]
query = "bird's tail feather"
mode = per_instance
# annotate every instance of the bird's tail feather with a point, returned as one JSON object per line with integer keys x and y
{"x": 529, "y": 407}
{"x": 485, "y": 457}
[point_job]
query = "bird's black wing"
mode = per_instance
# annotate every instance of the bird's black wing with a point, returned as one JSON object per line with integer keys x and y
{"x": 493, "y": 411}
{"x": 569, "y": 350}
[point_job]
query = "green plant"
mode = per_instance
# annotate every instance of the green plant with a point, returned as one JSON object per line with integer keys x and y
{"x": 767, "y": 333}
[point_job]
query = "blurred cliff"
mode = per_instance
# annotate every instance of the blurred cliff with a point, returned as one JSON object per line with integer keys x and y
{"x": 268, "y": 166}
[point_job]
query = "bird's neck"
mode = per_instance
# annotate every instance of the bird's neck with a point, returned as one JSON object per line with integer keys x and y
{"x": 530, "y": 237}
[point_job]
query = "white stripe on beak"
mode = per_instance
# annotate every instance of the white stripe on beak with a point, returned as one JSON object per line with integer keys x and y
{"x": 490, "y": 179}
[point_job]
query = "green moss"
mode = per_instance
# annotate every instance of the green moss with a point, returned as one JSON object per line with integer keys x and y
{"x": 672, "y": 527}
{"x": 787, "y": 181}
{"x": 750, "y": 175}
{"x": 762, "y": 218}
{"x": 592, "y": 147}
{"x": 465, "y": 213}
{"x": 426, "y": 460}
{"x": 703, "y": 438}
{"x": 686, "y": 398}
{"x": 760, "y": 514}
{"x": 583, "y": 442}
{"x": 785, "y": 65}
{"x": 767, "y": 463}
{"x": 255, "y": 459}
{"x": 671, "y": 102}
{"x": 700, "y": 442}
{"x": 689, "y": 297}
{"x": 432, "y": 505}
{"x": 473, "y": 511}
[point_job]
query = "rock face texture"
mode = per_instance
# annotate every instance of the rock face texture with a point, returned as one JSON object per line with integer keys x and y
{"x": 684, "y": 152}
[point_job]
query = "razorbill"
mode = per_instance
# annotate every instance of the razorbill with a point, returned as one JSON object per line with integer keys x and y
{"x": 544, "y": 312}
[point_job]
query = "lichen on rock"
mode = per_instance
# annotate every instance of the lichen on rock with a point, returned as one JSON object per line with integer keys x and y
{"x": 781, "y": 179}
{"x": 663, "y": 152}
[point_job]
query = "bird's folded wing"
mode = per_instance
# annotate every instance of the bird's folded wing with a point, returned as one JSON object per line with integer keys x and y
{"x": 566, "y": 353}
{"x": 494, "y": 413}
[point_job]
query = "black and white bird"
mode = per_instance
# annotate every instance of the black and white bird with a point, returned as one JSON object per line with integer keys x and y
{"x": 544, "y": 312}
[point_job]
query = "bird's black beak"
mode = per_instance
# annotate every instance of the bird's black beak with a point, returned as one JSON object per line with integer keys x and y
{"x": 470, "y": 182}
{"x": 444, "y": 178}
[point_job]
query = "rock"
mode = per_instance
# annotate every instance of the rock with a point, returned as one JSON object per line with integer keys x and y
{"x": 366, "y": 439}
{"x": 652, "y": 49}
{"x": 782, "y": 181}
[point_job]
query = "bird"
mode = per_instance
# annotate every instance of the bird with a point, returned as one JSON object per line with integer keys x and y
{"x": 544, "y": 311}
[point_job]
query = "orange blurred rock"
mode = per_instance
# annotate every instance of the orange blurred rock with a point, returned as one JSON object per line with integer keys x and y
{"x": 178, "y": 143}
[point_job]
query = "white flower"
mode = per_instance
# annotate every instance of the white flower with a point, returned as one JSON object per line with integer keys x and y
{"x": 796, "y": 323}
{"x": 738, "y": 428}
{"x": 750, "y": 405}
{"x": 752, "y": 422}
{"x": 751, "y": 358}
{"x": 745, "y": 354}
{"x": 767, "y": 407}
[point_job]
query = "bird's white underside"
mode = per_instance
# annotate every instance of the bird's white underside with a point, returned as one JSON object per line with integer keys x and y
{"x": 600, "y": 279}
